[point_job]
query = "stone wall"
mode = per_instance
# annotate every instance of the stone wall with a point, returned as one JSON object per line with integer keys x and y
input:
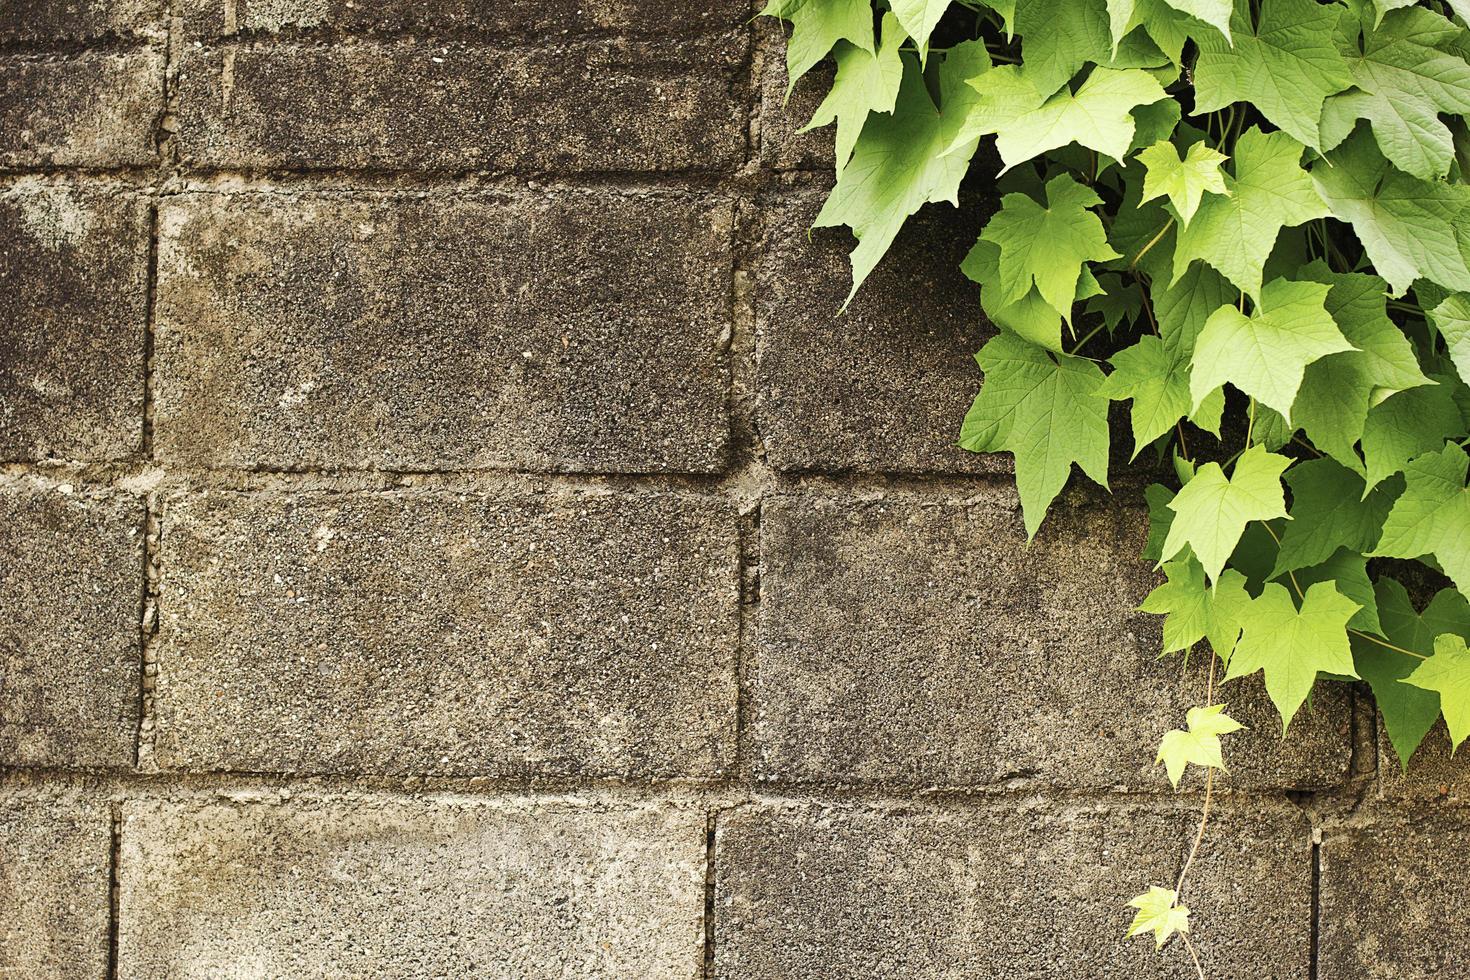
{"x": 450, "y": 532}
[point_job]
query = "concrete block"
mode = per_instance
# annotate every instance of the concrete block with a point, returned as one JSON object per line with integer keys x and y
{"x": 94, "y": 109}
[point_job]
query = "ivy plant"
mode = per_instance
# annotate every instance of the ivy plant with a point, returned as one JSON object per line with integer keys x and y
{"x": 1240, "y": 230}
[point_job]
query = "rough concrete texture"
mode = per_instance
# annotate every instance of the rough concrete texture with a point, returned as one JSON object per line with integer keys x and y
{"x": 40, "y": 21}
{"x": 73, "y": 310}
{"x": 71, "y": 588}
{"x": 1019, "y": 890}
{"x": 782, "y": 117}
{"x": 1434, "y": 772}
{"x": 573, "y": 331}
{"x": 1392, "y": 899}
{"x": 237, "y": 889}
{"x": 94, "y": 109}
{"x": 523, "y": 634}
{"x": 639, "y": 106}
{"x": 54, "y": 865}
{"x": 923, "y": 642}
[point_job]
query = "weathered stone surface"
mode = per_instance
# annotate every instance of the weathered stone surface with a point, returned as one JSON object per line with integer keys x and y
{"x": 917, "y": 642}
{"x": 1392, "y": 900}
{"x": 589, "y": 106}
{"x": 782, "y": 145}
{"x": 555, "y": 633}
{"x": 545, "y": 19}
{"x": 577, "y": 331}
{"x": 73, "y": 310}
{"x": 95, "y": 109}
{"x": 426, "y": 889}
{"x": 69, "y": 661}
{"x": 1434, "y": 772}
{"x": 884, "y": 385}
{"x": 31, "y": 21}
{"x": 54, "y": 857}
{"x": 1009, "y": 890}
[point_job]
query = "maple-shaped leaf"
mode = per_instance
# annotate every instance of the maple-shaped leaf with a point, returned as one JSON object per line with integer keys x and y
{"x": 1198, "y": 743}
{"x": 919, "y": 18}
{"x": 1193, "y": 611}
{"x": 1266, "y": 354}
{"x": 1404, "y": 426}
{"x": 897, "y": 164}
{"x": 1157, "y": 383}
{"x": 1031, "y": 318}
{"x": 1268, "y": 191}
{"x": 1402, "y": 83}
{"x": 1159, "y": 913}
{"x": 1044, "y": 408}
{"x": 1447, "y": 673}
{"x": 1184, "y": 181}
{"x": 1408, "y": 712}
{"x": 865, "y": 83}
{"x": 1330, "y": 509}
{"x": 1211, "y": 511}
{"x": 1409, "y": 227}
{"x": 1348, "y": 572}
{"x": 1047, "y": 246}
{"x": 817, "y": 26}
{"x": 1286, "y": 66}
{"x": 1059, "y": 37}
{"x": 1185, "y": 306}
{"x": 1452, "y": 319}
{"x": 1432, "y": 517}
{"x": 1292, "y": 646}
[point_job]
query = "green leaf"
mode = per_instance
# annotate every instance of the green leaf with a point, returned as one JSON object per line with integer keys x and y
{"x": 1216, "y": 13}
{"x": 865, "y": 83}
{"x": 1405, "y": 425}
{"x": 1403, "y": 81}
{"x": 1266, "y": 354}
{"x": 1047, "y": 246}
{"x": 1184, "y": 307}
{"x": 1292, "y": 646}
{"x": 1192, "y": 611}
{"x": 1159, "y": 913}
{"x": 1199, "y": 744}
{"x": 1157, "y": 496}
{"x": 1452, "y": 319}
{"x": 1045, "y": 409}
{"x": 1433, "y": 515}
{"x": 897, "y": 164}
{"x": 1268, "y": 191}
{"x": 1348, "y": 572}
{"x": 1146, "y": 374}
{"x": 1184, "y": 181}
{"x": 1447, "y": 673}
{"x": 1330, "y": 509}
{"x": 1286, "y": 67}
{"x": 1059, "y": 37}
{"x": 1211, "y": 512}
{"x": 919, "y": 18}
{"x": 1409, "y": 227}
{"x": 817, "y": 26}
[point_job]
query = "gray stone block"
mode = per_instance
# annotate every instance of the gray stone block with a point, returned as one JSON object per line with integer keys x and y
{"x": 71, "y": 588}
{"x": 529, "y": 634}
{"x": 42, "y": 21}
{"x": 1014, "y": 890}
{"x": 572, "y": 331}
{"x": 601, "y": 105}
{"x": 371, "y": 888}
{"x": 1434, "y": 773}
{"x": 73, "y": 311}
{"x": 95, "y": 109}
{"x": 782, "y": 145}
{"x": 920, "y": 642}
{"x": 54, "y": 867}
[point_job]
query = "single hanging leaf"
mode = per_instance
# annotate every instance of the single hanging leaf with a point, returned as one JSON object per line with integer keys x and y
{"x": 817, "y": 26}
{"x": 1269, "y": 191}
{"x": 1448, "y": 674}
{"x": 1183, "y": 181}
{"x": 865, "y": 83}
{"x": 1409, "y": 423}
{"x": 919, "y": 18}
{"x": 1452, "y": 319}
{"x": 1044, "y": 409}
{"x": 1200, "y": 744}
{"x": 1432, "y": 517}
{"x": 1409, "y": 227}
{"x": 1286, "y": 67}
{"x": 1159, "y": 913}
{"x": 896, "y": 165}
{"x": 1211, "y": 511}
{"x": 1293, "y": 646}
{"x": 1047, "y": 246}
{"x": 1266, "y": 354}
{"x": 1193, "y": 611}
{"x": 1330, "y": 509}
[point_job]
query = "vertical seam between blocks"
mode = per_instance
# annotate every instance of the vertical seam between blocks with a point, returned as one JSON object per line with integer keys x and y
{"x": 707, "y": 968}
{"x": 114, "y": 888}
{"x": 1314, "y": 936}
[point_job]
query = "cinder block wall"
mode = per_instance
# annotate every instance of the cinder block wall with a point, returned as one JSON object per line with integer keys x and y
{"x": 449, "y": 532}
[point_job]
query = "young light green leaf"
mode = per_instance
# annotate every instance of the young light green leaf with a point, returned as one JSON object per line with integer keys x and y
{"x": 1405, "y": 425}
{"x": 1193, "y": 611}
{"x": 919, "y": 18}
{"x": 1447, "y": 673}
{"x": 1198, "y": 744}
{"x": 1286, "y": 66}
{"x": 1044, "y": 409}
{"x": 817, "y": 26}
{"x": 1266, "y": 354}
{"x": 1269, "y": 191}
{"x": 1292, "y": 646}
{"x": 1182, "y": 181}
{"x": 1159, "y": 913}
{"x": 1211, "y": 511}
{"x": 865, "y": 83}
{"x": 1432, "y": 517}
{"x": 1330, "y": 509}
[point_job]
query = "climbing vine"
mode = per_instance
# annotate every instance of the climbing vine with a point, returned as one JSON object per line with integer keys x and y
{"x": 1250, "y": 222}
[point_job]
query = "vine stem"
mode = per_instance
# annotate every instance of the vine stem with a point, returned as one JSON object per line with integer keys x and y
{"x": 1204, "y": 819}
{"x": 1151, "y": 243}
{"x": 1193, "y": 955}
